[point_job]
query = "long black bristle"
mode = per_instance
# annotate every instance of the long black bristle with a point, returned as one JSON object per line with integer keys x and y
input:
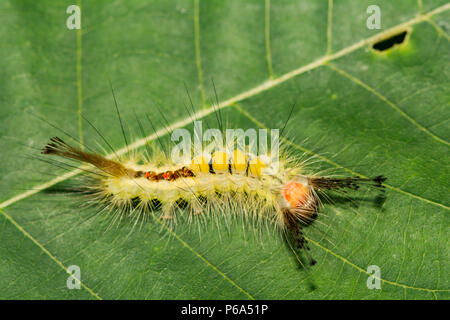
{"x": 352, "y": 183}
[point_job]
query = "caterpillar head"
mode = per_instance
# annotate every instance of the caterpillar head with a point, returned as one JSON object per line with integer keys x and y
{"x": 299, "y": 201}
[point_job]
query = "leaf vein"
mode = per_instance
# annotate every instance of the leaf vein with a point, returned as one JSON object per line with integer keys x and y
{"x": 387, "y": 101}
{"x": 192, "y": 250}
{"x": 45, "y": 251}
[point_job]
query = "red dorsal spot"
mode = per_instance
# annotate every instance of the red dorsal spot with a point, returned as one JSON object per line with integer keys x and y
{"x": 147, "y": 174}
{"x": 165, "y": 175}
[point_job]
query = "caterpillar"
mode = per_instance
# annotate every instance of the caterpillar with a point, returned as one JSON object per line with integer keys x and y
{"x": 221, "y": 181}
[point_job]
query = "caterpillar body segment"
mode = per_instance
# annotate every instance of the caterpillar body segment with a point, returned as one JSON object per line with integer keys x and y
{"x": 254, "y": 186}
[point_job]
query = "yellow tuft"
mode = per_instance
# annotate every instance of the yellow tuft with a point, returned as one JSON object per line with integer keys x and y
{"x": 239, "y": 160}
{"x": 255, "y": 166}
{"x": 200, "y": 164}
{"x": 220, "y": 161}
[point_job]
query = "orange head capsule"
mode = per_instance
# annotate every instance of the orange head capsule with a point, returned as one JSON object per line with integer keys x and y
{"x": 296, "y": 194}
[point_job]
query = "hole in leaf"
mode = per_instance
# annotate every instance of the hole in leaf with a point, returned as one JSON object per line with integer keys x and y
{"x": 390, "y": 42}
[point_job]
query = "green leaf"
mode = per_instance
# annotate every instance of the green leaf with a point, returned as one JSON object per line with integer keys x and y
{"x": 362, "y": 112}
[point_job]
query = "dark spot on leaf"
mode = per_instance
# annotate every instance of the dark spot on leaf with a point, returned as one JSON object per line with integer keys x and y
{"x": 390, "y": 42}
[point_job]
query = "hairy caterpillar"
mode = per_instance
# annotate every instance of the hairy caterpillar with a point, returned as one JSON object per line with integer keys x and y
{"x": 232, "y": 179}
